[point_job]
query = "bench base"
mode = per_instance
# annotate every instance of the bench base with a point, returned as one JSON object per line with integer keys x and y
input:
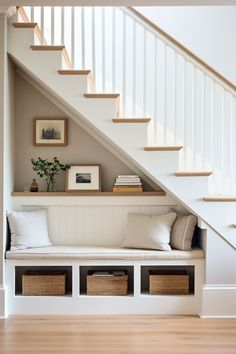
{"x": 138, "y": 301}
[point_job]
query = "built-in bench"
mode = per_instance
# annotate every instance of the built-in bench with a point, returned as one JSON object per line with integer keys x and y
{"x": 78, "y": 261}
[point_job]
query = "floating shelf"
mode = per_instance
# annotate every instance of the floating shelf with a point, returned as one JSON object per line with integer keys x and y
{"x": 88, "y": 194}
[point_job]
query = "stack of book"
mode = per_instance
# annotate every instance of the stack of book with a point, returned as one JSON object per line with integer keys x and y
{"x": 128, "y": 183}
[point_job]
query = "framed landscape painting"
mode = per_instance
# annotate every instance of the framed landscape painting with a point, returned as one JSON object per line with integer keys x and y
{"x": 83, "y": 178}
{"x": 50, "y": 131}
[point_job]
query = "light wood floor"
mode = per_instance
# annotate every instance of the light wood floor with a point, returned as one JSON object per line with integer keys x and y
{"x": 116, "y": 335}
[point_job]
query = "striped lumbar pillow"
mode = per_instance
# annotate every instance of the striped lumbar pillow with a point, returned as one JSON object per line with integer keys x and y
{"x": 182, "y": 232}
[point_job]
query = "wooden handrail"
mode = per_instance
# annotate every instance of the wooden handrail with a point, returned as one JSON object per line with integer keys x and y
{"x": 181, "y": 47}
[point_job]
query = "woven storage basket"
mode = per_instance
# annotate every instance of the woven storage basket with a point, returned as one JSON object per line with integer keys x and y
{"x": 168, "y": 283}
{"x": 42, "y": 283}
{"x": 107, "y": 285}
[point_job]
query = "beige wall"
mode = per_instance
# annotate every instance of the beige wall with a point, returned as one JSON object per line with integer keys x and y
{"x": 81, "y": 149}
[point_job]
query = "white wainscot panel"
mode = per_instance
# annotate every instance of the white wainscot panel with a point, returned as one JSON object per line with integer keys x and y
{"x": 92, "y": 225}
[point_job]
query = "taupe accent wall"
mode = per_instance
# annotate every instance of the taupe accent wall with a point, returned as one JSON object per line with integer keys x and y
{"x": 82, "y": 148}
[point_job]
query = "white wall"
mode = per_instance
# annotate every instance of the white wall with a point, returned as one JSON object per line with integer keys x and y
{"x": 209, "y": 32}
{"x": 6, "y": 147}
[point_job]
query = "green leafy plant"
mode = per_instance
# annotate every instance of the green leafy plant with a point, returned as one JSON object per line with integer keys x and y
{"x": 49, "y": 169}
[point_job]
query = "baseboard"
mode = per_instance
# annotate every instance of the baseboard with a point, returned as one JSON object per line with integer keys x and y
{"x": 219, "y": 301}
{"x": 3, "y": 302}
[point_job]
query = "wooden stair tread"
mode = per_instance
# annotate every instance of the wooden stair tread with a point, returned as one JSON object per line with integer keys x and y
{"x": 163, "y": 148}
{"x": 74, "y": 72}
{"x": 219, "y": 199}
{"x": 101, "y": 95}
{"x": 131, "y": 120}
{"x": 47, "y": 47}
{"x": 193, "y": 174}
{"x": 24, "y": 24}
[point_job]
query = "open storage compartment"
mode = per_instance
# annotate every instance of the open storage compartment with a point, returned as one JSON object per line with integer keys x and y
{"x": 43, "y": 280}
{"x": 106, "y": 280}
{"x": 167, "y": 280}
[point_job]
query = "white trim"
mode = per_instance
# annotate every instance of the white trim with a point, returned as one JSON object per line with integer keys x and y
{"x": 3, "y": 302}
{"x": 218, "y": 301}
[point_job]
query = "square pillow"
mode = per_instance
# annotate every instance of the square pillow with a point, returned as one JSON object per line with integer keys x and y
{"x": 149, "y": 232}
{"x": 182, "y": 232}
{"x": 28, "y": 229}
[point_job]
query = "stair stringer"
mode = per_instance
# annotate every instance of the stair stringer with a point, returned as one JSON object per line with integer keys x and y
{"x": 128, "y": 140}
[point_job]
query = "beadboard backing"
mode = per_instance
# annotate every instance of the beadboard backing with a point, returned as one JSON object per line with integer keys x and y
{"x": 93, "y": 225}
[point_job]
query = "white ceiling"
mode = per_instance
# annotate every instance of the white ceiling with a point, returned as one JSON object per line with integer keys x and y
{"x": 117, "y": 2}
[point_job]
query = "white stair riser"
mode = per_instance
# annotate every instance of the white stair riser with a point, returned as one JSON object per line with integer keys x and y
{"x": 78, "y": 83}
{"x": 21, "y": 39}
{"x": 158, "y": 162}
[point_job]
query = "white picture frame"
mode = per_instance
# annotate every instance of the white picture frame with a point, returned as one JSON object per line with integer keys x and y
{"x": 83, "y": 178}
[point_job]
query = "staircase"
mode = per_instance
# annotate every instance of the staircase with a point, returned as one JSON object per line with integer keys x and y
{"x": 174, "y": 118}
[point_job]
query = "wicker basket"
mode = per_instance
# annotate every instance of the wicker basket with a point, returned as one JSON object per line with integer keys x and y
{"x": 107, "y": 285}
{"x": 168, "y": 283}
{"x": 43, "y": 283}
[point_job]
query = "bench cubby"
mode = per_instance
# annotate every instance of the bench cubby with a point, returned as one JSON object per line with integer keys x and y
{"x": 85, "y": 271}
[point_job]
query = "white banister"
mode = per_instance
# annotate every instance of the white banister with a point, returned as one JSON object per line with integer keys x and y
{"x": 189, "y": 103}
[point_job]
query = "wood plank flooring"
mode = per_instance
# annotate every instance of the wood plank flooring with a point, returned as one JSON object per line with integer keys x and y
{"x": 116, "y": 335}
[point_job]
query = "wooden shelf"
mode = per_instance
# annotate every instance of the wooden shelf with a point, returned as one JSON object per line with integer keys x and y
{"x": 88, "y": 194}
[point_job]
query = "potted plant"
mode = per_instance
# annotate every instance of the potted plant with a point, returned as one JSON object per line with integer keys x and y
{"x": 49, "y": 169}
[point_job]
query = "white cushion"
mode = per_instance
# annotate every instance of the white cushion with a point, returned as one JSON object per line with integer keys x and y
{"x": 59, "y": 252}
{"x": 151, "y": 232}
{"x": 28, "y": 229}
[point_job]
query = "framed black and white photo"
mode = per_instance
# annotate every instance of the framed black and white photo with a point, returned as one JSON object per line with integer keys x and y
{"x": 50, "y": 131}
{"x": 83, "y": 178}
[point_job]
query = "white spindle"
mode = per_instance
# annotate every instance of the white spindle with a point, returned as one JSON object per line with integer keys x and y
{"x": 155, "y": 92}
{"x": 52, "y": 25}
{"x": 175, "y": 88}
{"x": 232, "y": 152}
{"x": 185, "y": 114}
{"x": 202, "y": 119}
{"x": 211, "y": 124}
{"x": 42, "y": 24}
{"x": 124, "y": 64}
{"x": 113, "y": 49}
{"x": 82, "y": 39}
{"x": 165, "y": 96}
{"x": 62, "y": 25}
{"x": 93, "y": 48}
{"x": 103, "y": 51}
{"x": 144, "y": 71}
{"x": 134, "y": 68}
{"x": 72, "y": 59}
{"x": 32, "y": 14}
{"x": 222, "y": 139}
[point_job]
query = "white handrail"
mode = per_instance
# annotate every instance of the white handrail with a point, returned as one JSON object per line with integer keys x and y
{"x": 189, "y": 104}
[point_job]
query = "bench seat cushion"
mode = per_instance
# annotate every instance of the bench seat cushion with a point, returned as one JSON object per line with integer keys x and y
{"x": 96, "y": 253}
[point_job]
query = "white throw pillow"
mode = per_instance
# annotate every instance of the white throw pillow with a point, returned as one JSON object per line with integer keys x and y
{"x": 28, "y": 229}
{"x": 151, "y": 232}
